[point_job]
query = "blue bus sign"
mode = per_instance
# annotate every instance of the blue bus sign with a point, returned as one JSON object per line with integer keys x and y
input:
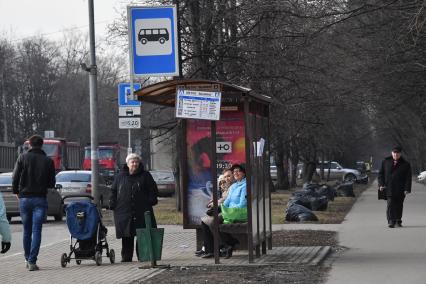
{"x": 153, "y": 41}
{"x": 125, "y": 96}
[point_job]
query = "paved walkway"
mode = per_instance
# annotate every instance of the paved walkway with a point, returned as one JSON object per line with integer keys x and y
{"x": 376, "y": 253}
{"x": 178, "y": 249}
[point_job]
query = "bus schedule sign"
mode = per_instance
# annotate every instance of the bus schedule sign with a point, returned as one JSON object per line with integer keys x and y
{"x": 198, "y": 104}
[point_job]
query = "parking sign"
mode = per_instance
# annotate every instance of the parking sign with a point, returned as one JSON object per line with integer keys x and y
{"x": 153, "y": 41}
{"x": 125, "y": 97}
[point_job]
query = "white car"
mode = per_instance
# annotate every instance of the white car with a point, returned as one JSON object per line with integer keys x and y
{"x": 78, "y": 182}
{"x": 339, "y": 172}
{"x": 422, "y": 177}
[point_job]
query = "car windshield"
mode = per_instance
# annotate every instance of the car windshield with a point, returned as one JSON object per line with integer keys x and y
{"x": 103, "y": 153}
{"x": 73, "y": 177}
{"x": 162, "y": 176}
{"x": 5, "y": 179}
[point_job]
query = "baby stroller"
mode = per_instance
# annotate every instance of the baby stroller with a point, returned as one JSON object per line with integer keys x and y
{"x": 87, "y": 233}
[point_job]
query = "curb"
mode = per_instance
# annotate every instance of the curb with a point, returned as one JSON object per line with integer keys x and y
{"x": 321, "y": 255}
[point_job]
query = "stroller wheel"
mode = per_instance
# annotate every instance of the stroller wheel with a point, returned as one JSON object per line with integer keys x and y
{"x": 111, "y": 255}
{"x": 78, "y": 261}
{"x": 64, "y": 260}
{"x": 98, "y": 258}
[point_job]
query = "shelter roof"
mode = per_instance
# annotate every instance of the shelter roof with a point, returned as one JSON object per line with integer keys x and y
{"x": 164, "y": 93}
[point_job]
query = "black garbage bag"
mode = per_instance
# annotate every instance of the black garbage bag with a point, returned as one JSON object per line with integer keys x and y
{"x": 299, "y": 213}
{"x": 362, "y": 180}
{"x": 311, "y": 203}
{"x": 346, "y": 189}
{"x": 306, "y": 192}
{"x": 327, "y": 191}
{"x": 319, "y": 203}
{"x": 301, "y": 200}
{"x": 310, "y": 186}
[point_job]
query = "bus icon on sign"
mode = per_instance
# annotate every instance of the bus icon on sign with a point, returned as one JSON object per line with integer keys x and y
{"x": 161, "y": 35}
{"x": 153, "y": 37}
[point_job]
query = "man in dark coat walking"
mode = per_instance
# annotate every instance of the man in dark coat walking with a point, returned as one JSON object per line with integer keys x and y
{"x": 133, "y": 192}
{"x": 33, "y": 174}
{"x": 395, "y": 179}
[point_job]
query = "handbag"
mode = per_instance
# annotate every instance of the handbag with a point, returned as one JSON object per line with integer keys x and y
{"x": 210, "y": 211}
{"x": 381, "y": 194}
{"x": 234, "y": 215}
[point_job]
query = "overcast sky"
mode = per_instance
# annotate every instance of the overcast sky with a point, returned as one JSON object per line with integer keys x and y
{"x": 26, "y": 18}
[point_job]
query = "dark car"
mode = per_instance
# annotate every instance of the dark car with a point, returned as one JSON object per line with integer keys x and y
{"x": 80, "y": 182}
{"x": 165, "y": 182}
{"x": 54, "y": 200}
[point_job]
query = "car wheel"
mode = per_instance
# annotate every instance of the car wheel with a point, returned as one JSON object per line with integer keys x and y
{"x": 350, "y": 177}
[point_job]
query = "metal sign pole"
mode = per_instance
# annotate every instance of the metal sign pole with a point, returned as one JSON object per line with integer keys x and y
{"x": 130, "y": 37}
{"x": 93, "y": 106}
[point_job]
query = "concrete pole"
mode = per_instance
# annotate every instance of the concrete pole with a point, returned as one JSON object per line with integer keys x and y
{"x": 93, "y": 106}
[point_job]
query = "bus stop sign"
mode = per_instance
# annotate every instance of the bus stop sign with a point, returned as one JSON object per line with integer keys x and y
{"x": 153, "y": 41}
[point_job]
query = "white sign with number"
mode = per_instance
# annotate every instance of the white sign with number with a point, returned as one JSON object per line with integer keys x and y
{"x": 129, "y": 122}
{"x": 198, "y": 104}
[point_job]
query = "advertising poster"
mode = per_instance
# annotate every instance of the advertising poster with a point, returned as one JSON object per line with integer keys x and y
{"x": 230, "y": 149}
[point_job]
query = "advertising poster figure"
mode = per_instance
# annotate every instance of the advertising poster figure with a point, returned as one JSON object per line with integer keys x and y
{"x": 230, "y": 149}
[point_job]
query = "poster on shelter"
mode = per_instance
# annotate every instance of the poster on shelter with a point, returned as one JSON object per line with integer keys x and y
{"x": 230, "y": 149}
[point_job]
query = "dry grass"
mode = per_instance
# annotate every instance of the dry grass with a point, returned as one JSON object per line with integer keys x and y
{"x": 166, "y": 213}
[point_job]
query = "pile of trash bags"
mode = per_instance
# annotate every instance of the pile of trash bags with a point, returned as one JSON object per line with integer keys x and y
{"x": 314, "y": 197}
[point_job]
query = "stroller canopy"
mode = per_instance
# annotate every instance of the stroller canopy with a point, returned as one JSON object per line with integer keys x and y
{"x": 82, "y": 219}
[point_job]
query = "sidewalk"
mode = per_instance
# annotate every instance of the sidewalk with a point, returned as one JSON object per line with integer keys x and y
{"x": 376, "y": 253}
{"x": 178, "y": 249}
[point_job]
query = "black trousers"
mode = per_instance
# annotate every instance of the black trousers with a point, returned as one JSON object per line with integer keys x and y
{"x": 208, "y": 241}
{"x": 394, "y": 209}
{"x": 127, "y": 248}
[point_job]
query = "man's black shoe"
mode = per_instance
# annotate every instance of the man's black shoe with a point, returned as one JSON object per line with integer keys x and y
{"x": 207, "y": 255}
{"x": 398, "y": 224}
{"x": 199, "y": 252}
{"x": 391, "y": 225}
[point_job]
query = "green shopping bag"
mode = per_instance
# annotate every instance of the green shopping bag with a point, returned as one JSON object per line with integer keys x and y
{"x": 233, "y": 215}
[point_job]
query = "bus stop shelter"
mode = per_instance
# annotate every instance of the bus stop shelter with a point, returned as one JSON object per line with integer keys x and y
{"x": 240, "y": 136}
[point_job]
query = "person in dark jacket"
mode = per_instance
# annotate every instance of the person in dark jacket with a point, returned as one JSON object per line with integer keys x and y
{"x": 33, "y": 174}
{"x": 395, "y": 179}
{"x": 133, "y": 192}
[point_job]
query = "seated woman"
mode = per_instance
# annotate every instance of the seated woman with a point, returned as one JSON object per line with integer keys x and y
{"x": 237, "y": 198}
{"x": 225, "y": 180}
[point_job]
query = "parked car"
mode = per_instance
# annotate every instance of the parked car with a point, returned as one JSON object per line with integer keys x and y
{"x": 54, "y": 200}
{"x": 361, "y": 166}
{"x": 79, "y": 182}
{"x": 339, "y": 172}
{"x": 422, "y": 177}
{"x": 165, "y": 182}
